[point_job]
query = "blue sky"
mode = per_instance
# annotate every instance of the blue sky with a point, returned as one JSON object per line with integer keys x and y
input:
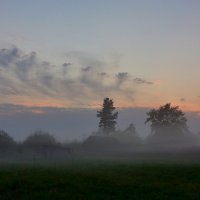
{"x": 72, "y": 54}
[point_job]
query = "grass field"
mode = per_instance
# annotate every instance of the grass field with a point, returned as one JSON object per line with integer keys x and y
{"x": 100, "y": 180}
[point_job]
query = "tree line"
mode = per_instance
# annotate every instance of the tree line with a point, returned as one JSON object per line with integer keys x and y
{"x": 165, "y": 121}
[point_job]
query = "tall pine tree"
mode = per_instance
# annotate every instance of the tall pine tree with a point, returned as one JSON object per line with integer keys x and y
{"x": 107, "y": 117}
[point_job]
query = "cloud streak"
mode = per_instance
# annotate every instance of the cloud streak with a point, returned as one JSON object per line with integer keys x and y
{"x": 142, "y": 81}
{"x": 80, "y": 82}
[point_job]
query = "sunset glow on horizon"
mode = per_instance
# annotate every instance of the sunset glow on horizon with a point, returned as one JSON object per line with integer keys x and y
{"x": 53, "y": 103}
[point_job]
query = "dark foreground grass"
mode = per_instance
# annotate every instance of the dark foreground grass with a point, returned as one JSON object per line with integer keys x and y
{"x": 100, "y": 180}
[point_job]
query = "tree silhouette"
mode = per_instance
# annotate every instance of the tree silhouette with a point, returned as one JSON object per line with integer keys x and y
{"x": 167, "y": 119}
{"x": 107, "y": 121}
{"x": 131, "y": 129}
{"x": 7, "y": 144}
{"x": 40, "y": 138}
{"x": 40, "y": 144}
{"x": 5, "y": 139}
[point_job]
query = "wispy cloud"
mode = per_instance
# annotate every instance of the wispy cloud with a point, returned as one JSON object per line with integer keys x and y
{"x": 12, "y": 109}
{"x": 81, "y": 81}
{"x": 86, "y": 69}
{"x": 142, "y": 81}
{"x": 122, "y": 76}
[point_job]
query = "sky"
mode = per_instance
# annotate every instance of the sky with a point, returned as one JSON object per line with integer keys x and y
{"x": 67, "y": 55}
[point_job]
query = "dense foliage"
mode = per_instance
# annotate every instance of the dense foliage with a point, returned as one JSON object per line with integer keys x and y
{"x": 167, "y": 119}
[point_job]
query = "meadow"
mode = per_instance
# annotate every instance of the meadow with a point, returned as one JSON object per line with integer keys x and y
{"x": 100, "y": 179}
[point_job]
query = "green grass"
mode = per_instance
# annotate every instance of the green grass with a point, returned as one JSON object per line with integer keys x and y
{"x": 100, "y": 180}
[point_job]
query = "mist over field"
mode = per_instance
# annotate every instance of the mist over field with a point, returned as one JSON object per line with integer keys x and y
{"x": 168, "y": 138}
